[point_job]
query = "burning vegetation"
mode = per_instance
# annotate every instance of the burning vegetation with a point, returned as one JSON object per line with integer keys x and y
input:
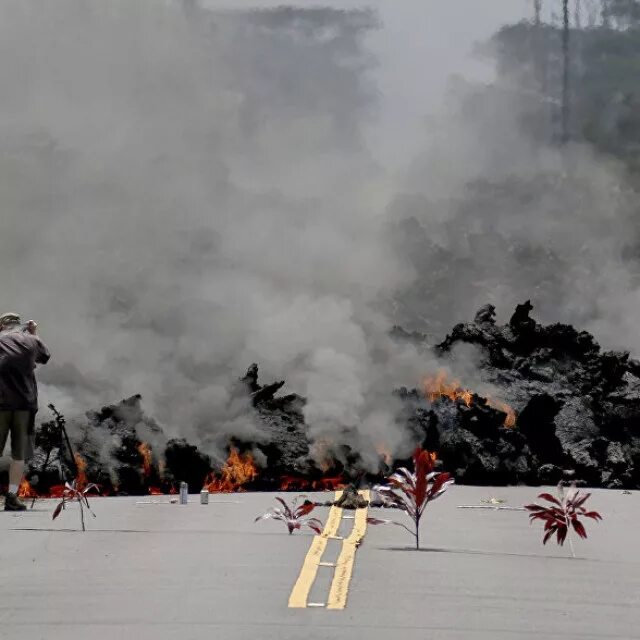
{"x": 567, "y": 411}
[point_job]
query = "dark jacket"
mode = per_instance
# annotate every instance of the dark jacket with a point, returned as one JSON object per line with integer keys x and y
{"x": 19, "y": 353}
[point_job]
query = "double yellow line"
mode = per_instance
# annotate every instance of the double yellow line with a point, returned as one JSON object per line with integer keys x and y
{"x": 343, "y": 569}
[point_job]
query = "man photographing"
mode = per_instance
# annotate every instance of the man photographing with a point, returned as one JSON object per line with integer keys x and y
{"x": 20, "y": 350}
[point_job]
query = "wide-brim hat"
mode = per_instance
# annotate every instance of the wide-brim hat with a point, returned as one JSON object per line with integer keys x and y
{"x": 9, "y": 318}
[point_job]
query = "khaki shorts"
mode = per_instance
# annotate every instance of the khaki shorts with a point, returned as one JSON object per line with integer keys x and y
{"x": 17, "y": 423}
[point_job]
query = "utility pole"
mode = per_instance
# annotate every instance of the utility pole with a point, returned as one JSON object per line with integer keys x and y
{"x": 537, "y": 10}
{"x": 606, "y": 14}
{"x": 565, "y": 71}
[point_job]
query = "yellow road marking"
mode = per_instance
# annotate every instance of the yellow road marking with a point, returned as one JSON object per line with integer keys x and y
{"x": 300, "y": 593}
{"x": 344, "y": 565}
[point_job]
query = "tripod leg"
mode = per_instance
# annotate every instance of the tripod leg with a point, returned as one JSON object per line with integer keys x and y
{"x": 44, "y": 468}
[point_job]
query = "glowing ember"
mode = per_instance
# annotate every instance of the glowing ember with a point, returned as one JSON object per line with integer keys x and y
{"x": 297, "y": 483}
{"x": 56, "y": 491}
{"x": 147, "y": 458}
{"x": 293, "y": 483}
{"x": 155, "y": 491}
{"x": 238, "y": 470}
{"x": 328, "y": 484}
{"x": 439, "y": 386}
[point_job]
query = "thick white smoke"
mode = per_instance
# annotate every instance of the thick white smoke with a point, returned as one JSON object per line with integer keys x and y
{"x": 185, "y": 193}
{"x": 490, "y": 215}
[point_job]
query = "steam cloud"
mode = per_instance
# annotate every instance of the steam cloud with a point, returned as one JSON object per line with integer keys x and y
{"x": 187, "y": 192}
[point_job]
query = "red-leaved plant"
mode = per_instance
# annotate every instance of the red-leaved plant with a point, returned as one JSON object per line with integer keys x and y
{"x": 295, "y": 517}
{"x": 562, "y": 515}
{"x": 72, "y": 492}
{"x": 413, "y": 491}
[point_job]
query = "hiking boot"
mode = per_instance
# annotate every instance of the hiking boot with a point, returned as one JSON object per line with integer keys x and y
{"x": 13, "y": 503}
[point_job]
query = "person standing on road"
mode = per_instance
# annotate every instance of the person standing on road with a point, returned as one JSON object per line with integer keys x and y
{"x": 20, "y": 350}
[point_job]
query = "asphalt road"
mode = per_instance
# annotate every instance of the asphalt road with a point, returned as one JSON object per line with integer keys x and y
{"x": 164, "y": 571}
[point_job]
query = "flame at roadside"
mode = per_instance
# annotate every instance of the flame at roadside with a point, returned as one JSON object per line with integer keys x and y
{"x": 81, "y": 476}
{"x": 147, "y": 458}
{"x": 25, "y": 490}
{"x": 237, "y": 471}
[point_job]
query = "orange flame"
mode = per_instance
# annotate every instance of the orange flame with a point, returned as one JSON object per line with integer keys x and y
{"x": 147, "y": 458}
{"x": 81, "y": 478}
{"x": 57, "y": 490}
{"x": 155, "y": 491}
{"x": 328, "y": 484}
{"x": 510, "y": 420}
{"x": 25, "y": 490}
{"x": 439, "y": 386}
{"x": 238, "y": 470}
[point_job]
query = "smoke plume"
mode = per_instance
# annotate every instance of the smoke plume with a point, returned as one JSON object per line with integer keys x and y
{"x": 186, "y": 192}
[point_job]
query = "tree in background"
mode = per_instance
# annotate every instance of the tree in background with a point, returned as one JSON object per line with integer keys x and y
{"x": 601, "y": 80}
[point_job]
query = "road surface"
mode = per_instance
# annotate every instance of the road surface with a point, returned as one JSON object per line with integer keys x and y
{"x": 150, "y": 570}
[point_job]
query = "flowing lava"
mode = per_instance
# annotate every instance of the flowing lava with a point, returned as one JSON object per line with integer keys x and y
{"x": 298, "y": 483}
{"x": 439, "y": 386}
{"x": 238, "y": 470}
